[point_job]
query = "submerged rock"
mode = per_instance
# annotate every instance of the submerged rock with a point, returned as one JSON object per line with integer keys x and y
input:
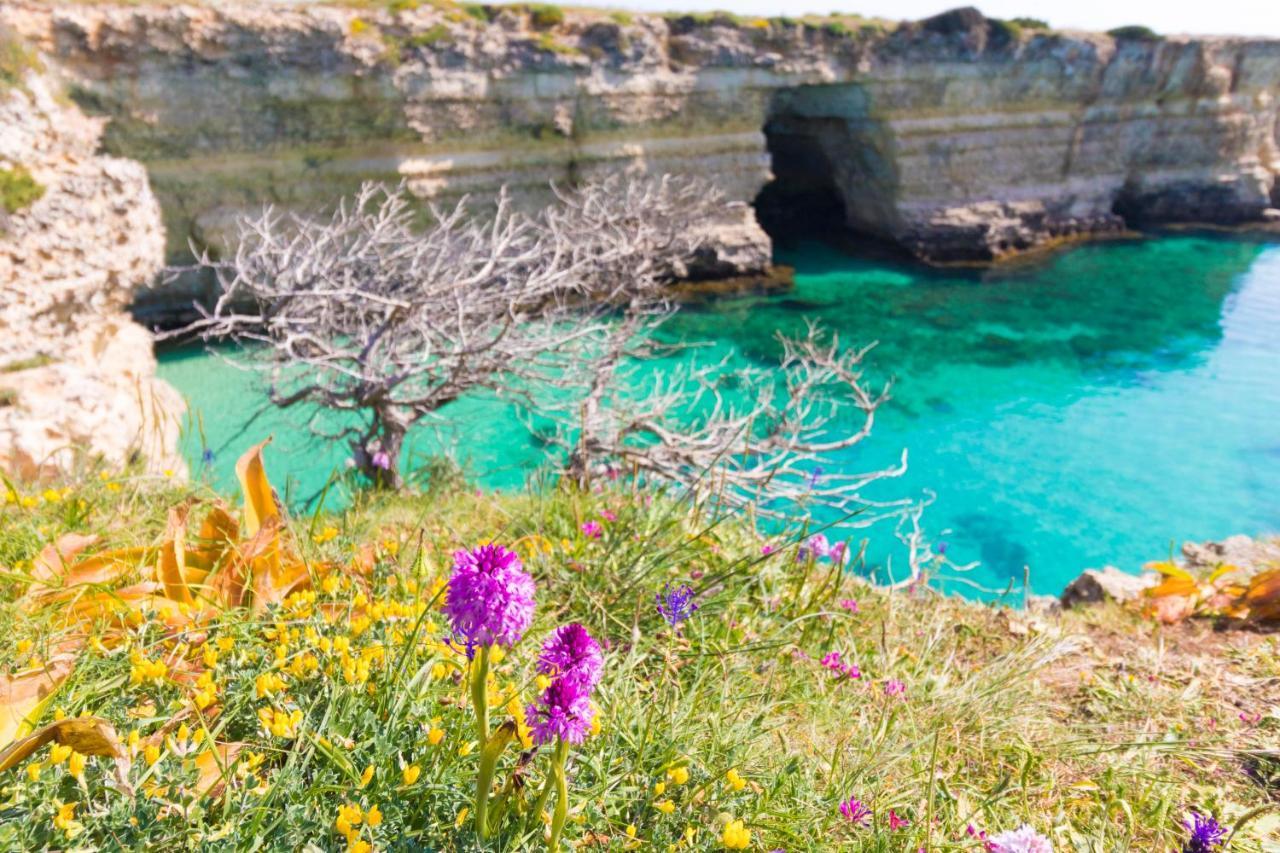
{"x": 76, "y": 373}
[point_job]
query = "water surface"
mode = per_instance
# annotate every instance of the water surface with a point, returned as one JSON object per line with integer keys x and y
{"x": 1093, "y": 408}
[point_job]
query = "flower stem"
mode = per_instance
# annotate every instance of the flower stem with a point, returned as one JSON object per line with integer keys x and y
{"x": 480, "y": 700}
{"x": 484, "y": 779}
{"x": 562, "y": 796}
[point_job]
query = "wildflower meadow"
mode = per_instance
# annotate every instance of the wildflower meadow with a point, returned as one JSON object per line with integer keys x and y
{"x": 606, "y": 668}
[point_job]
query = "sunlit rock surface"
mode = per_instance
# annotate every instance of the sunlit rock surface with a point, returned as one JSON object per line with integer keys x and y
{"x": 957, "y": 137}
{"x": 76, "y": 373}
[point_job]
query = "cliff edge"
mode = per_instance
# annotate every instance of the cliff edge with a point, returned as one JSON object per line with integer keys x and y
{"x": 958, "y": 138}
{"x": 76, "y": 373}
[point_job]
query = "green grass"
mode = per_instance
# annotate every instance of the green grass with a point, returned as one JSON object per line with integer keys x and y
{"x": 16, "y": 59}
{"x": 1093, "y": 727}
{"x": 18, "y": 190}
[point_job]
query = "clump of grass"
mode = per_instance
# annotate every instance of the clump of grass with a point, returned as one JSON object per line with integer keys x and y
{"x": 551, "y": 44}
{"x": 16, "y": 59}
{"x": 957, "y": 715}
{"x": 26, "y": 364}
{"x": 1005, "y": 31}
{"x": 546, "y": 16}
{"x": 18, "y": 190}
{"x": 483, "y": 14}
{"x": 1030, "y": 23}
{"x": 1135, "y": 32}
{"x": 622, "y": 19}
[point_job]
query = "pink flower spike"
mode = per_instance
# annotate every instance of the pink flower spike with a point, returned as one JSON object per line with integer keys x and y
{"x": 766, "y": 550}
{"x": 894, "y": 687}
{"x": 608, "y": 515}
{"x": 896, "y": 822}
{"x": 850, "y": 605}
{"x": 592, "y": 530}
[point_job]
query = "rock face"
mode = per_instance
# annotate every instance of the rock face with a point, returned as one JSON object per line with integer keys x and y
{"x": 76, "y": 373}
{"x": 959, "y": 138}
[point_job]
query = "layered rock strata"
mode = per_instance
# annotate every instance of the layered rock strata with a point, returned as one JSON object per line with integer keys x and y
{"x": 77, "y": 375}
{"x": 959, "y": 138}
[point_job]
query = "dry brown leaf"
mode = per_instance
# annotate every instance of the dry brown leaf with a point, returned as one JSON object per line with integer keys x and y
{"x": 23, "y": 696}
{"x": 214, "y": 766}
{"x": 86, "y": 735}
{"x": 259, "y": 498}
{"x": 53, "y": 560}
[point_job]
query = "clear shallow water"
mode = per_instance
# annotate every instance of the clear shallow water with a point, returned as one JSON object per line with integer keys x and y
{"x": 1097, "y": 407}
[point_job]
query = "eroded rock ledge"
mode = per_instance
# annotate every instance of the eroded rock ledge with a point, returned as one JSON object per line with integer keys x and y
{"x": 958, "y": 137}
{"x": 76, "y": 373}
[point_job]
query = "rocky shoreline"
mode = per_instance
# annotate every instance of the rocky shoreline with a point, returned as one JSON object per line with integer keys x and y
{"x": 958, "y": 138}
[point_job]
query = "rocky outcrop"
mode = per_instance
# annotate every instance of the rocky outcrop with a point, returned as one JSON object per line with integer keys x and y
{"x": 76, "y": 373}
{"x": 959, "y": 138}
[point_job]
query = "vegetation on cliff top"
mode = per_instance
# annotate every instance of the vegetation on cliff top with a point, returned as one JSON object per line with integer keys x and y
{"x": 794, "y": 708}
{"x": 18, "y": 189}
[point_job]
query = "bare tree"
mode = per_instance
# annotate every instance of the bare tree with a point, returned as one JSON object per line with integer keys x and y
{"x": 362, "y": 313}
{"x": 748, "y": 437}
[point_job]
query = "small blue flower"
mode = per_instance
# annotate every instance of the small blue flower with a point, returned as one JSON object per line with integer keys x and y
{"x": 206, "y": 458}
{"x": 1207, "y": 834}
{"x": 676, "y": 605}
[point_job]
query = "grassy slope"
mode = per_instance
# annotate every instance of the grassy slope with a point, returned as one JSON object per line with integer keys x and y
{"x": 1096, "y": 727}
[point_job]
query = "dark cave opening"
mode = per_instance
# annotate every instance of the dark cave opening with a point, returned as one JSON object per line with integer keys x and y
{"x": 802, "y": 200}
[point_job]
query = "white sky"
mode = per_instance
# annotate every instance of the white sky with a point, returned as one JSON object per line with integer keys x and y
{"x": 1203, "y": 17}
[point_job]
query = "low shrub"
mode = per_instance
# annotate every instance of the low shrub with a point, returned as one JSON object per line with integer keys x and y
{"x": 1134, "y": 32}
{"x": 1030, "y": 23}
{"x": 18, "y": 189}
{"x": 546, "y": 16}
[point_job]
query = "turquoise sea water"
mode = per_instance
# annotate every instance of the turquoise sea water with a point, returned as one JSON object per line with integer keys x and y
{"x": 1094, "y": 407}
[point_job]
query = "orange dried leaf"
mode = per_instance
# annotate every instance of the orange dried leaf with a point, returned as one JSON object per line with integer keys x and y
{"x": 259, "y": 498}
{"x": 54, "y": 560}
{"x": 86, "y": 735}
{"x": 214, "y": 766}
{"x": 24, "y": 695}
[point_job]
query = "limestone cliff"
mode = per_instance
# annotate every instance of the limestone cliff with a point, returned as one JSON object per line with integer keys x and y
{"x": 76, "y": 373}
{"x": 958, "y": 137}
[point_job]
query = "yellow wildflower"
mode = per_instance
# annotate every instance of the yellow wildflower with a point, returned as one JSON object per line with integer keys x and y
{"x": 678, "y": 775}
{"x": 59, "y": 753}
{"x": 542, "y": 682}
{"x": 367, "y": 776}
{"x": 373, "y": 817}
{"x": 33, "y": 770}
{"x": 735, "y": 779}
{"x": 267, "y": 684}
{"x": 24, "y": 646}
{"x": 659, "y": 788}
{"x": 410, "y": 774}
{"x": 151, "y": 754}
{"x": 736, "y": 836}
{"x": 75, "y": 766}
{"x": 328, "y": 534}
{"x": 462, "y": 818}
{"x": 631, "y": 830}
{"x": 466, "y": 748}
{"x": 435, "y": 735}
{"x": 65, "y": 819}
{"x": 665, "y": 806}
{"x": 358, "y": 845}
{"x": 349, "y": 815}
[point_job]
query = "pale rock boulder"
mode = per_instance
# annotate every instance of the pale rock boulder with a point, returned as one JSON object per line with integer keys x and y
{"x": 77, "y": 375}
{"x": 1094, "y": 586}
